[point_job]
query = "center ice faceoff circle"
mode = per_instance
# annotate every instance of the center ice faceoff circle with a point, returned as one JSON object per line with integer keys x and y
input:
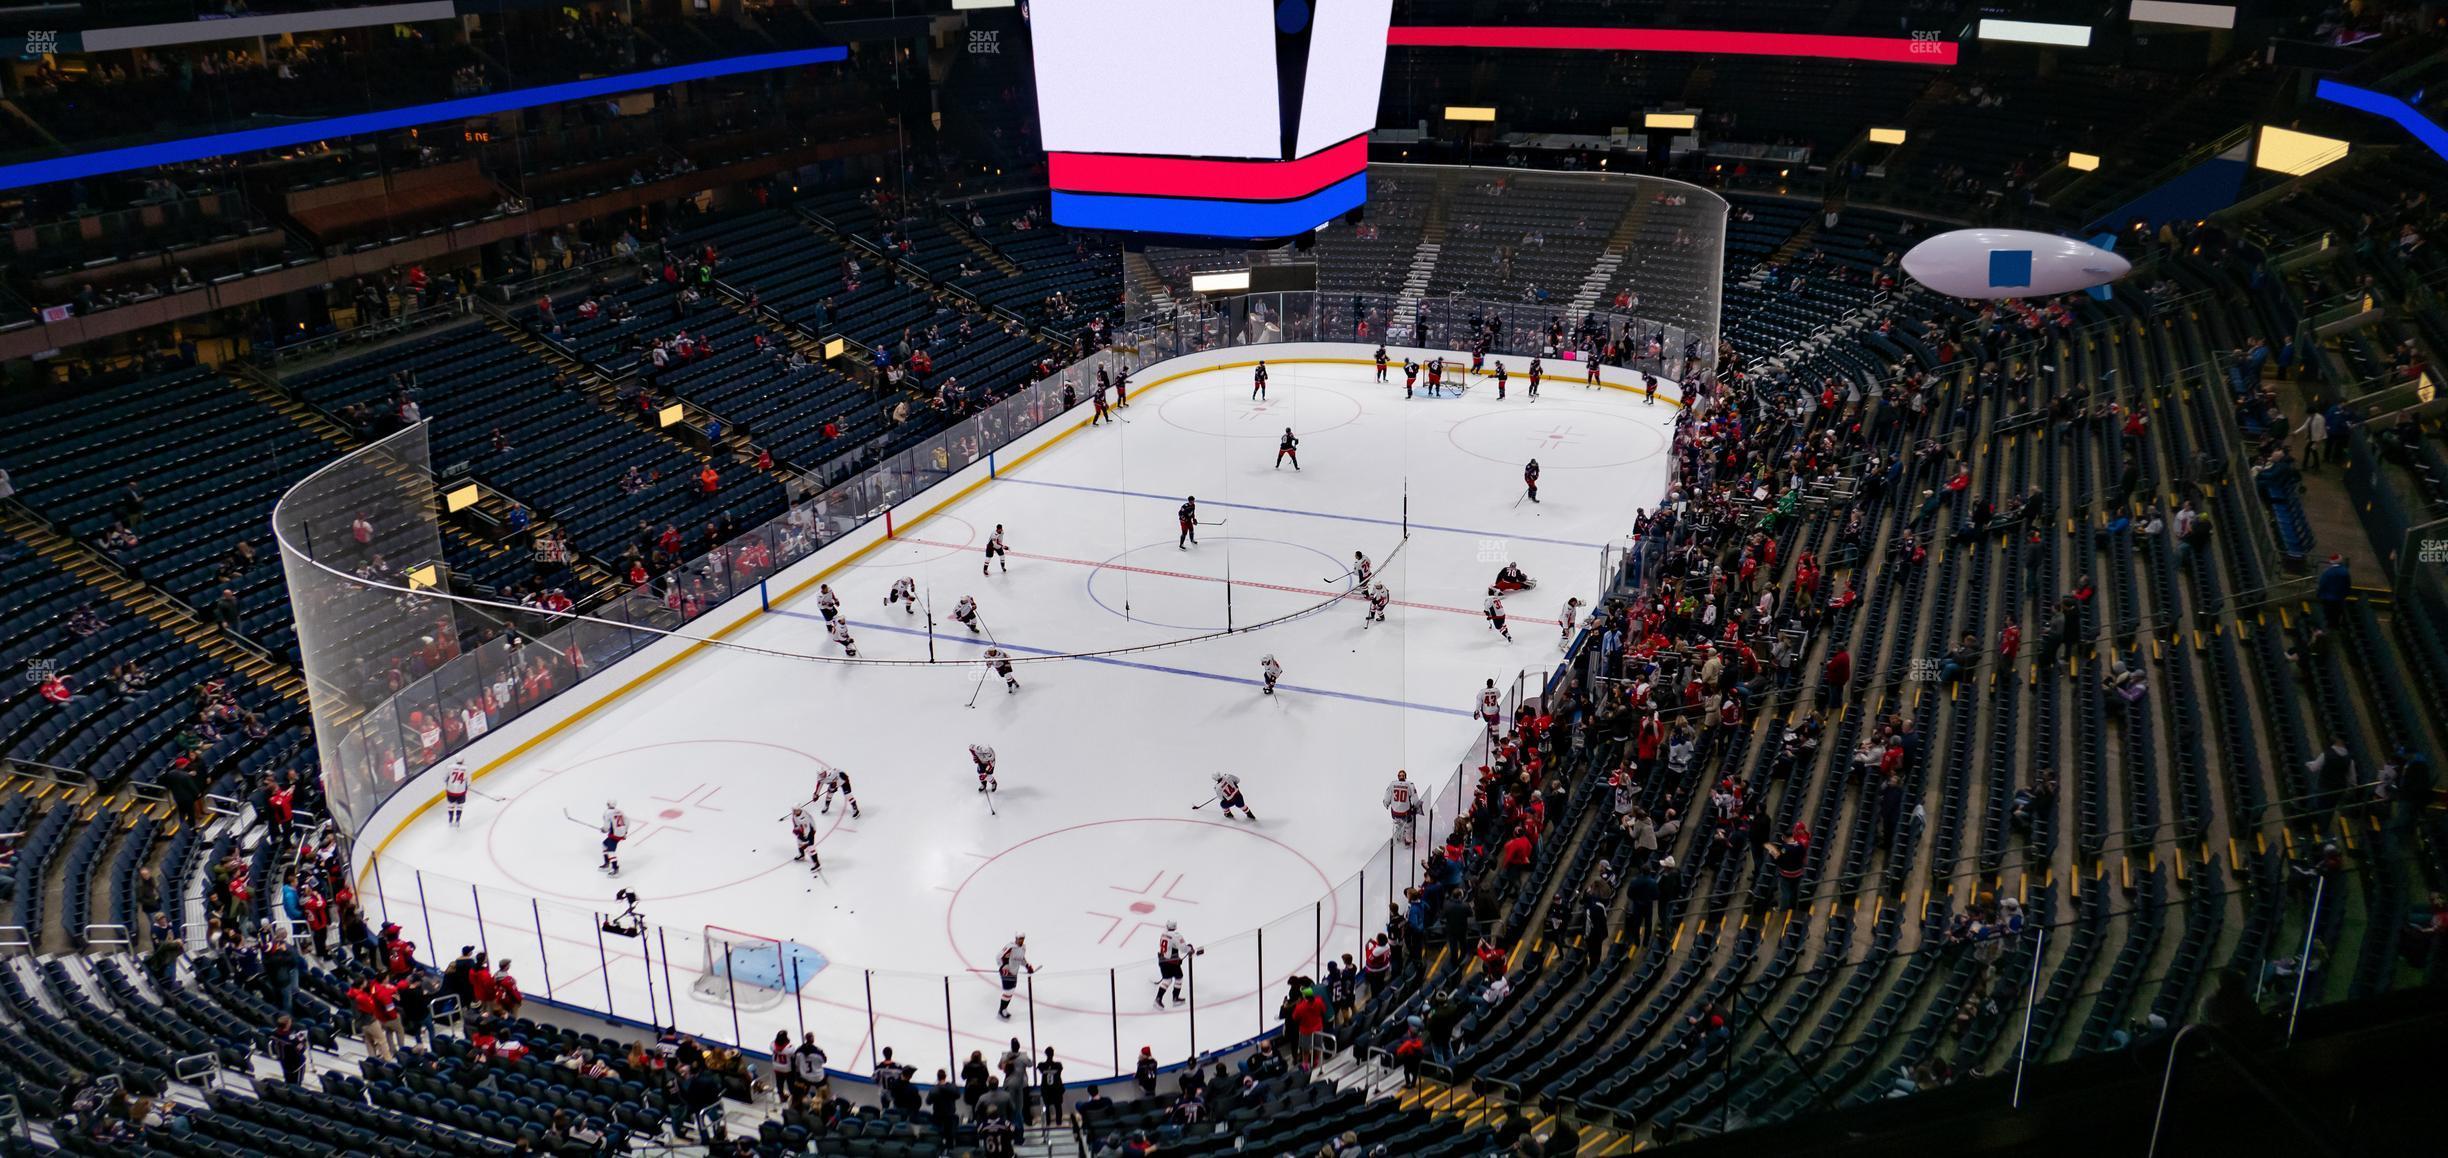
{"x": 1157, "y": 584}
{"x": 1559, "y": 437}
{"x": 1227, "y": 410}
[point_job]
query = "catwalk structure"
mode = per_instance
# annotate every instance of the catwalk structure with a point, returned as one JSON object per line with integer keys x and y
{"x": 1101, "y": 830}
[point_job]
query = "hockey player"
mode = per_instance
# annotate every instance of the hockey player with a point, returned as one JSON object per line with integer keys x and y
{"x": 1496, "y": 613}
{"x": 1258, "y": 381}
{"x": 1411, "y": 371}
{"x": 1648, "y": 388}
{"x": 803, "y": 830}
{"x": 1501, "y": 379}
{"x": 1530, "y": 476}
{"x": 965, "y": 613}
{"x": 1001, "y": 665}
{"x": 615, "y": 828}
{"x": 827, "y": 603}
{"x": 1534, "y": 379}
{"x": 1572, "y": 616}
{"x": 1171, "y": 948}
{"x": 1270, "y": 671}
{"x": 1362, "y": 570}
{"x": 1491, "y": 705}
{"x": 1287, "y": 447}
{"x": 905, "y": 593}
{"x": 1402, "y": 803}
{"x": 1122, "y": 389}
{"x": 455, "y": 789}
{"x": 1189, "y": 524}
{"x": 996, "y": 552}
{"x": 984, "y": 758}
{"x": 1102, "y": 411}
{"x": 1381, "y": 363}
{"x": 1377, "y": 600}
{"x": 1436, "y": 375}
{"x": 1009, "y": 967}
{"x": 1228, "y": 794}
{"x": 830, "y": 780}
{"x": 839, "y": 629}
{"x": 1479, "y": 351}
{"x": 1593, "y": 370}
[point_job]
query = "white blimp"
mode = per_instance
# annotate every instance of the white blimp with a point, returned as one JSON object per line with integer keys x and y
{"x": 2015, "y": 263}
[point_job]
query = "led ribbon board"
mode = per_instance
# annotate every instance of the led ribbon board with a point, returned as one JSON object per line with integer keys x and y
{"x": 80, "y": 165}
{"x": 1269, "y": 140}
{"x": 1918, "y": 49}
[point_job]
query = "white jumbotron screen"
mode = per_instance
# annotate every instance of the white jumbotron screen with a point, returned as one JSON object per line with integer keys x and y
{"x": 1346, "y": 69}
{"x": 1165, "y": 77}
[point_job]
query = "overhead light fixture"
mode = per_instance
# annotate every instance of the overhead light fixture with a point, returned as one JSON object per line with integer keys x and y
{"x": 2188, "y": 15}
{"x": 2295, "y": 154}
{"x": 2083, "y": 161}
{"x": 2034, "y": 32}
{"x": 1470, "y": 113}
{"x": 1886, "y": 136}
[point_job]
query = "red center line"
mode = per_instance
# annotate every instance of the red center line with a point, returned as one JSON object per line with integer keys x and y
{"x": 1161, "y": 573}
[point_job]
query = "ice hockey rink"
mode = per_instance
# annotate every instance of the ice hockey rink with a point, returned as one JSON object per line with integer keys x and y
{"x": 1093, "y": 842}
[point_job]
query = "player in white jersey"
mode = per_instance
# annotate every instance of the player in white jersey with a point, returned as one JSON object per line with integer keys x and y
{"x": 803, "y": 830}
{"x": 1228, "y": 794}
{"x": 1270, "y": 671}
{"x": 827, "y": 603}
{"x": 1402, "y": 803}
{"x": 839, "y": 629}
{"x": 830, "y": 780}
{"x": 1013, "y": 962}
{"x": 984, "y": 758}
{"x": 1001, "y": 664}
{"x": 1171, "y": 949}
{"x": 455, "y": 789}
{"x": 905, "y": 593}
{"x": 1496, "y": 614}
{"x": 1491, "y": 705}
{"x": 996, "y": 553}
{"x": 615, "y": 829}
{"x": 1362, "y": 570}
{"x": 1571, "y": 617}
{"x": 1378, "y": 597}
{"x": 965, "y": 612}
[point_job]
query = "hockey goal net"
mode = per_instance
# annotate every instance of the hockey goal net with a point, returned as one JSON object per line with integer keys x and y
{"x": 748, "y": 970}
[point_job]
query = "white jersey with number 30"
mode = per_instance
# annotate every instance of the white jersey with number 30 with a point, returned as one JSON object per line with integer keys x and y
{"x": 1401, "y": 797}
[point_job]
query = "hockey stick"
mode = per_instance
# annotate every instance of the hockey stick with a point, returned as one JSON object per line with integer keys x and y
{"x": 486, "y": 795}
{"x": 991, "y": 810}
{"x": 1204, "y": 803}
{"x": 983, "y": 668}
{"x": 1216, "y": 523}
{"x": 1518, "y": 498}
{"x": 565, "y": 815}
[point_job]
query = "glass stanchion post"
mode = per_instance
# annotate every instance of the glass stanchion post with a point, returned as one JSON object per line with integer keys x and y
{"x": 425, "y": 911}
{"x": 482, "y": 942}
{"x": 603, "y": 968}
{"x": 867, "y": 978}
{"x": 535, "y": 909}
